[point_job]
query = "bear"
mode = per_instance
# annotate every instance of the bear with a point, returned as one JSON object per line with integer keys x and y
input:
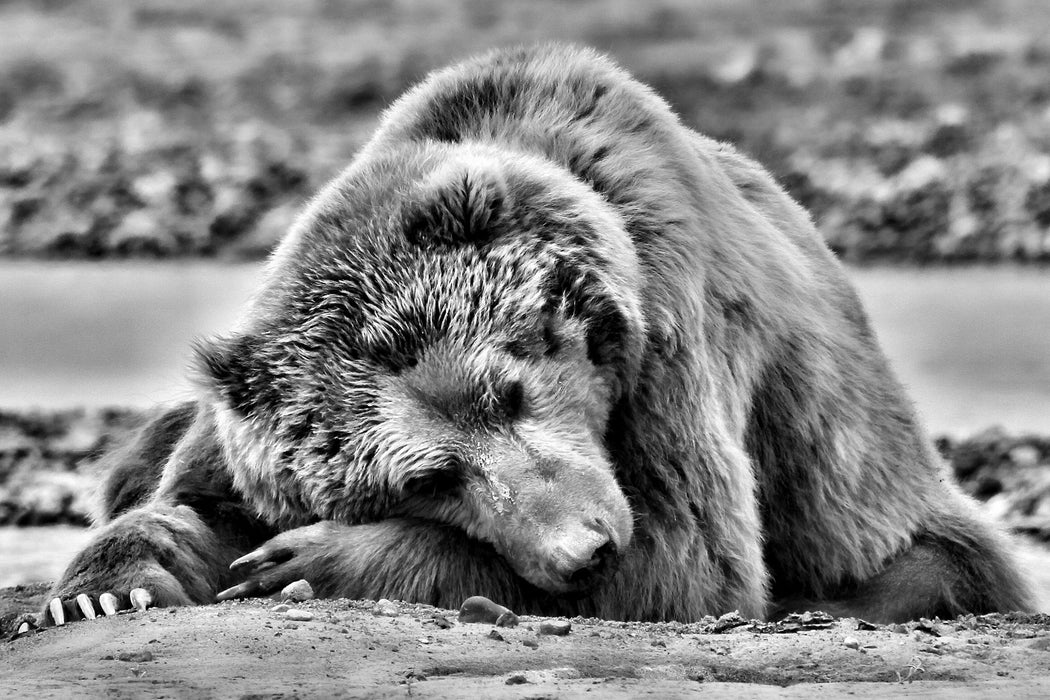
{"x": 542, "y": 342}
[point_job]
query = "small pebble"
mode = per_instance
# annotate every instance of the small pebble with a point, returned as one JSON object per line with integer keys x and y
{"x": 851, "y": 643}
{"x": 441, "y": 621}
{"x": 386, "y": 608}
{"x": 815, "y": 618}
{"x": 507, "y": 619}
{"x": 280, "y": 608}
{"x": 493, "y": 634}
{"x": 566, "y": 672}
{"x": 482, "y": 610}
{"x": 297, "y": 591}
{"x": 517, "y": 679}
{"x": 299, "y": 615}
{"x": 135, "y": 656}
{"x": 729, "y": 621}
{"x": 927, "y": 627}
{"x": 559, "y": 628}
{"x": 530, "y": 643}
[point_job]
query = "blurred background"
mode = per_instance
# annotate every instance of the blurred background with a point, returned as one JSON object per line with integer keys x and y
{"x": 153, "y": 152}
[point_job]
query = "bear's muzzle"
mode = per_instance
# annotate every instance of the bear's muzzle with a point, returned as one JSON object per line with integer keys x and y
{"x": 580, "y": 559}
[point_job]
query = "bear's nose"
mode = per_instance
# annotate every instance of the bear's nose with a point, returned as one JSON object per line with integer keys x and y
{"x": 596, "y": 567}
{"x": 584, "y": 561}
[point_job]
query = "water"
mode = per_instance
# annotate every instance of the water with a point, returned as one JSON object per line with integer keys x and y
{"x": 972, "y": 345}
{"x": 31, "y": 554}
{"x": 109, "y": 333}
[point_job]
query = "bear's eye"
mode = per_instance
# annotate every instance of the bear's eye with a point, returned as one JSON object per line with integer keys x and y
{"x": 431, "y": 483}
{"x": 510, "y": 400}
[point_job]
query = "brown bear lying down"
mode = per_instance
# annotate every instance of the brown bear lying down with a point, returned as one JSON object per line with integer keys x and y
{"x": 542, "y": 342}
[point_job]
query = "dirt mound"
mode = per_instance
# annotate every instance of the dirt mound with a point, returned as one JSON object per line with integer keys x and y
{"x": 358, "y": 649}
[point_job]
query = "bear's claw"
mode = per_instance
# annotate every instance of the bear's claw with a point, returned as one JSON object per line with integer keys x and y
{"x": 263, "y": 569}
{"x": 108, "y": 602}
{"x": 248, "y": 562}
{"x": 58, "y": 612}
{"x": 263, "y": 558}
{"x": 241, "y": 590}
{"x": 141, "y": 599}
{"x": 83, "y": 607}
{"x": 87, "y": 608}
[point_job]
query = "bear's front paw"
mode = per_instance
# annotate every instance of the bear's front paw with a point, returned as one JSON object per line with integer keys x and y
{"x": 288, "y": 557}
{"x": 93, "y": 593}
{"x": 146, "y": 558}
{"x": 64, "y": 609}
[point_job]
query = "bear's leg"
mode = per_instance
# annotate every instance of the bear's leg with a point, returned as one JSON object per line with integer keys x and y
{"x": 919, "y": 583}
{"x": 401, "y": 559}
{"x": 151, "y": 556}
{"x": 178, "y": 526}
{"x": 948, "y": 574}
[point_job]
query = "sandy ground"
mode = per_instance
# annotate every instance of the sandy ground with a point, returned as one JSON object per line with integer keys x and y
{"x": 350, "y": 649}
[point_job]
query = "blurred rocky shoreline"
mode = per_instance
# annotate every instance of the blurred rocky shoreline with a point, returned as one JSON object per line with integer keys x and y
{"x": 48, "y": 468}
{"x": 915, "y": 132}
{"x": 48, "y": 462}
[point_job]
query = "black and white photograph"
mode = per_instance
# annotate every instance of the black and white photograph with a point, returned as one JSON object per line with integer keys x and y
{"x": 524, "y": 348}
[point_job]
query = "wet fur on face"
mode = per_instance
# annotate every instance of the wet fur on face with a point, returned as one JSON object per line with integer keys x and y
{"x": 453, "y": 353}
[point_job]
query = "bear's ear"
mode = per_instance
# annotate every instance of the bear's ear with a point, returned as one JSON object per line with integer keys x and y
{"x": 228, "y": 367}
{"x": 461, "y": 204}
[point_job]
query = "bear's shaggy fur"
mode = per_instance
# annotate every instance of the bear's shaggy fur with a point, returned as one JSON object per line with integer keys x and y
{"x": 542, "y": 342}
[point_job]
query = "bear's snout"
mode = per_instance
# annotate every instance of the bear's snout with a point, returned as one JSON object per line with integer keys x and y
{"x": 582, "y": 559}
{"x": 584, "y": 572}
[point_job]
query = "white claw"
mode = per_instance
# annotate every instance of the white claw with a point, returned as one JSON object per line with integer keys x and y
{"x": 141, "y": 599}
{"x": 87, "y": 608}
{"x": 58, "y": 613}
{"x": 108, "y": 603}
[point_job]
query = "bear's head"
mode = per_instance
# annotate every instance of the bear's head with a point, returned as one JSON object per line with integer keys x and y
{"x": 443, "y": 336}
